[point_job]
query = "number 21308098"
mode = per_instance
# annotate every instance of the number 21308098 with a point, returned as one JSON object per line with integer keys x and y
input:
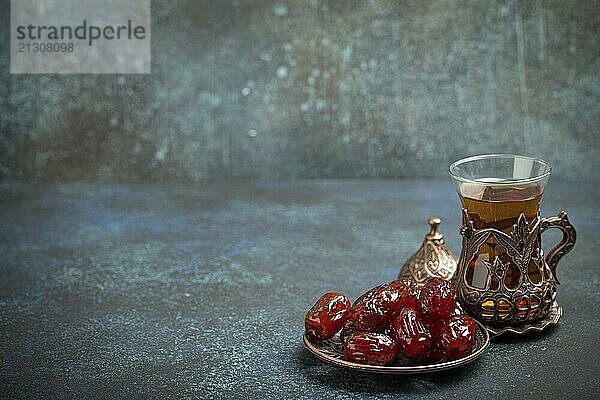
{"x": 45, "y": 47}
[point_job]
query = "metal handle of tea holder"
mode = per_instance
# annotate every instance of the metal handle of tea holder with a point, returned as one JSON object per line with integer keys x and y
{"x": 561, "y": 221}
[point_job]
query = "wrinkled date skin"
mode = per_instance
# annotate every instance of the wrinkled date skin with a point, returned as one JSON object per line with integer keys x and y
{"x": 436, "y": 325}
{"x": 412, "y": 336}
{"x": 375, "y": 309}
{"x": 409, "y": 293}
{"x": 348, "y": 330}
{"x": 438, "y": 299}
{"x": 370, "y": 348}
{"x": 327, "y": 316}
{"x": 457, "y": 337}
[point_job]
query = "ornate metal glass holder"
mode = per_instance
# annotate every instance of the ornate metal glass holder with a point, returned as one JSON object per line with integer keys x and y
{"x": 529, "y": 301}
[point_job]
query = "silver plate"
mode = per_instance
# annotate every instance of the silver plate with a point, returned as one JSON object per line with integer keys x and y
{"x": 331, "y": 350}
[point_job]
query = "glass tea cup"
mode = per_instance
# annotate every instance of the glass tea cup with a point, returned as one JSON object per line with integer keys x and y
{"x": 503, "y": 277}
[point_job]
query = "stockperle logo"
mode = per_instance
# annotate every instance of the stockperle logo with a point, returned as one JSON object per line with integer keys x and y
{"x": 80, "y": 36}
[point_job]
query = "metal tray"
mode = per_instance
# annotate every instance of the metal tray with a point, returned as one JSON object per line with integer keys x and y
{"x": 332, "y": 352}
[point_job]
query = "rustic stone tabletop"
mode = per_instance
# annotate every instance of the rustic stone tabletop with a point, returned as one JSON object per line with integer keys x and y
{"x": 200, "y": 291}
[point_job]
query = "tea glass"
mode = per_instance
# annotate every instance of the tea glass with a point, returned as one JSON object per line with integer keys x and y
{"x": 503, "y": 277}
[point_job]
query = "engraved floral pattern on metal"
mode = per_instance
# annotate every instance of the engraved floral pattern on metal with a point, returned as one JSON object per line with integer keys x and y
{"x": 552, "y": 318}
{"x": 528, "y": 301}
{"x": 433, "y": 259}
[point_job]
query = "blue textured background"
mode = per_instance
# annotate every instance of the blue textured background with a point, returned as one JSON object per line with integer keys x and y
{"x": 302, "y": 89}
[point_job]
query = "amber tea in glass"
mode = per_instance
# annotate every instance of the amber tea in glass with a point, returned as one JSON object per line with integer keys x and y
{"x": 499, "y": 207}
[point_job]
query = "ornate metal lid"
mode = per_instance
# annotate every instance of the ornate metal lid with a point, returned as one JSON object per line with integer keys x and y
{"x": 433, "y": 259}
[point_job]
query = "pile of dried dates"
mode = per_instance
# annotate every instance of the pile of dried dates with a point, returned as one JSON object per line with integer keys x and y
{"x": 425, "y": 324}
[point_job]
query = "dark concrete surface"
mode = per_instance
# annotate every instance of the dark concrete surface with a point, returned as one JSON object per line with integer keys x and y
{"x": 289, "y": 89}
{"x": 143, "y": 291}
